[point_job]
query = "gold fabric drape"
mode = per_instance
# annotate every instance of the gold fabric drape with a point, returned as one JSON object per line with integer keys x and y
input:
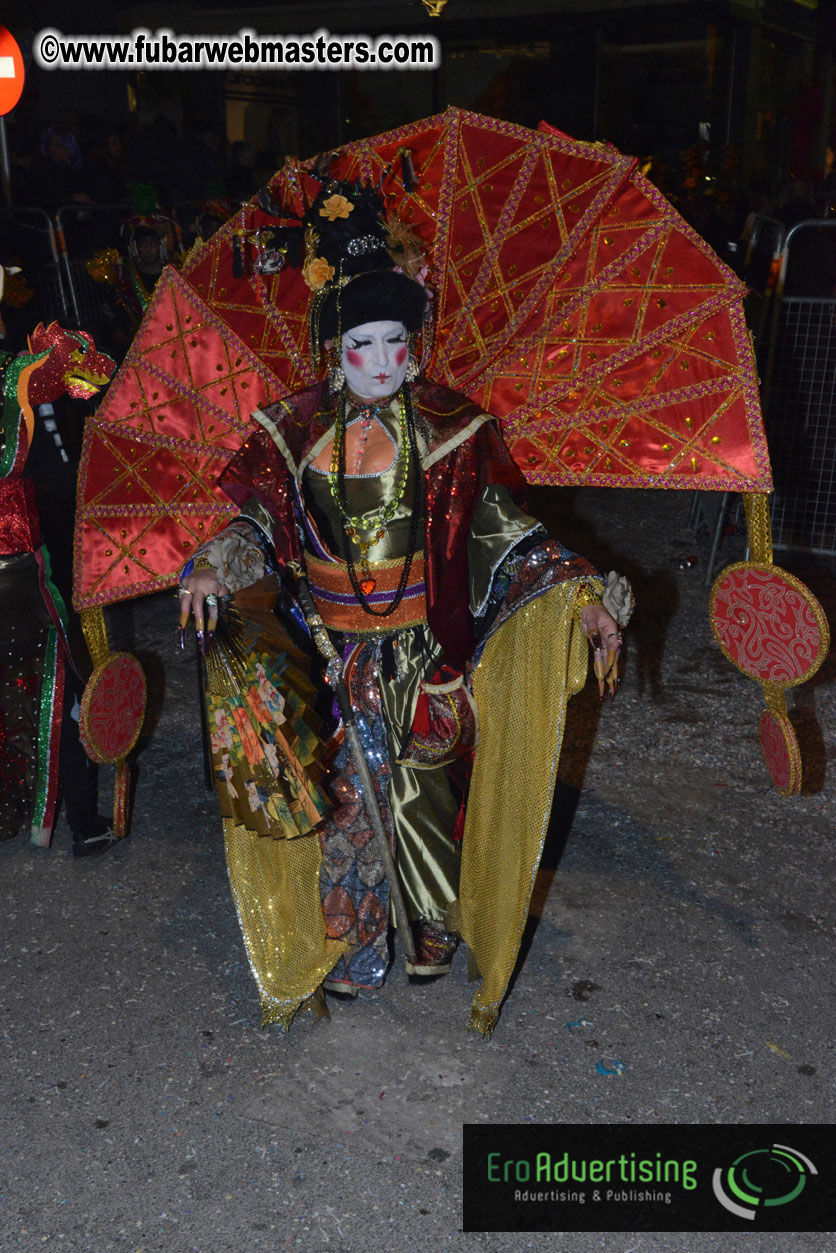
{"x": 275, "y": 886}
{"x": 527, "y": 672}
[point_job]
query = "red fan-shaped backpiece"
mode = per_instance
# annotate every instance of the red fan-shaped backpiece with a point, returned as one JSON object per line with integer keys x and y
{"x": 572, "y": 301}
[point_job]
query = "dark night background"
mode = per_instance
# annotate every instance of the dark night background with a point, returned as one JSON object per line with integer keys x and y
{"x": 755, "y": 75}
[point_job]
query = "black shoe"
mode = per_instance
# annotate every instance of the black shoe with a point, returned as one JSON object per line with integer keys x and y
{"x": 91, "y": 843}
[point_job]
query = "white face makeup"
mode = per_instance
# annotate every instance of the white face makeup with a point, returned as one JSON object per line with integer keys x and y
{"x": 374, "y": 357}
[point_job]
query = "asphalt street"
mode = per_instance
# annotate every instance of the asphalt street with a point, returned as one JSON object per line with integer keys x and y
{"x": 678, "y": 968}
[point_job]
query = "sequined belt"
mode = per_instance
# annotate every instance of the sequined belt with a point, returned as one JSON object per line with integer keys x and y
{"x": 339, "y": 608}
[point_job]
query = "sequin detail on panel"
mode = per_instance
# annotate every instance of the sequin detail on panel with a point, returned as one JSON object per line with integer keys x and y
{"x": 525, "y": 575}
{"x": 353, "y": 887}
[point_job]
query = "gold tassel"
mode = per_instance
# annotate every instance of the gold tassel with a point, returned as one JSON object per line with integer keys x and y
{"x": 95, "y": 634}
{"x": 758, "y": 527}
{"x": 759, "y": 533}
{"x": 775, "y": 698}
{"x": 121, "y": 799}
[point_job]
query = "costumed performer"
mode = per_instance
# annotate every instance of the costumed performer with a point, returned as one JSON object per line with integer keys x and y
{"x": 459, "y": 622}
{"x": 38, "y": 680}
{"x": 151, "y": 245}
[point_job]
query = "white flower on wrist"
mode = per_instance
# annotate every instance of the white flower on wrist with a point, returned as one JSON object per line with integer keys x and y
{"x": 618, "y": 598}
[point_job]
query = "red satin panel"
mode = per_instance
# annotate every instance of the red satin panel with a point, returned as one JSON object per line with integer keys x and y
{"x": 572, "y": 301}
{"x": 153, "y": 453}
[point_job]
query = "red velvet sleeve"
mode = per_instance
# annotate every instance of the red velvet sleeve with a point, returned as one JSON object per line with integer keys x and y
{"x": 259, "y": 470}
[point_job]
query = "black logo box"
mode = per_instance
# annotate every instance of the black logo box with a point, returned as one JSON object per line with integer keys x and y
{"x": 649, "y": 1177}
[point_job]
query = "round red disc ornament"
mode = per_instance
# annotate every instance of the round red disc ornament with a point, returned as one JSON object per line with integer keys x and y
{"x": 112, "y": 708}
{"x": 768, "y": 623}
{"x": 780, "y": 751}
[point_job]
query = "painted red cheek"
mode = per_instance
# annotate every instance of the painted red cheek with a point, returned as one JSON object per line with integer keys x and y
{"x": 400, "y": 356}
{"x": 353, "y": 358}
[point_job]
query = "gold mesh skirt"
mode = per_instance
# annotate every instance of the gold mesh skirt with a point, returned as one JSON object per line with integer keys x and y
{"x": 527, "y": 672}
{"x": 275, "y": 886}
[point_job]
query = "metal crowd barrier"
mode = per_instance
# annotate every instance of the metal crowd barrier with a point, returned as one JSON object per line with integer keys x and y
{"x": 799, "y": 391}
{"x": 792, "y": 316}
{"x": 712, "y": 512}
{"x": 28, "y": 236}
{"x": 81, "y": 230}
{"x": 760, "y": 270}
{"x": 54, "y": 249}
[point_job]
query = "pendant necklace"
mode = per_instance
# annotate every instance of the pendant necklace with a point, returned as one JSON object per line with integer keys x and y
{"x": 364, "y": 533}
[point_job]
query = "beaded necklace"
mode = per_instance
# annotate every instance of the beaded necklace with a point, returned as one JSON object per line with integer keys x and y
{"x": 353, "y": 524}
{"x": 376, "y": 527}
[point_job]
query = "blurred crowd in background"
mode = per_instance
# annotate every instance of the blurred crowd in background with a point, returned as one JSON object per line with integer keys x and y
{"x": 100, "y": 210}
{"x": 97, "y": 212}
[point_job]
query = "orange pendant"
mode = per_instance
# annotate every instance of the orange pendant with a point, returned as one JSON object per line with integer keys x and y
{"x": 367, "y": 586}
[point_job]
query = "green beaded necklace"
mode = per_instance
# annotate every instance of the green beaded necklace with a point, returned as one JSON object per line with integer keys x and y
{"x": 363, "y": 587}
{"x": 375, "y": 527}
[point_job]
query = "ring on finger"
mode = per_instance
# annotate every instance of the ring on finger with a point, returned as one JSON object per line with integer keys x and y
{"x": 183, "y": 591}
{"x": 211, "y": 600}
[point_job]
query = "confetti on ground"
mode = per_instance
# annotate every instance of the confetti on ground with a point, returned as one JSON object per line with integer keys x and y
{"x": 617, "y": 1068}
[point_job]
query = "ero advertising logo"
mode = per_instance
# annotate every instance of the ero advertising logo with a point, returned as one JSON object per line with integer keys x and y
{"x": 762, "y": 1178}
{"x": 649, "y": 1177}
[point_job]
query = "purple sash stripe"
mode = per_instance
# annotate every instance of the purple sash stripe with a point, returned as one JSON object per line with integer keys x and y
{"x": 343, "y": 598}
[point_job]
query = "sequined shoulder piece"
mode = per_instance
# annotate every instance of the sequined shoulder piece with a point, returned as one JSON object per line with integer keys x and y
{"x": 298, "y": 422}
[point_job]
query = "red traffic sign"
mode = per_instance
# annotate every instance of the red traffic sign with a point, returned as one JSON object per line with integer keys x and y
{"x": 11, "y": 72}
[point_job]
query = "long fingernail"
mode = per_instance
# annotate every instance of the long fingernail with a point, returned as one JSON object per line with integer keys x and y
{"x": 184, "y": 617}
{"x": 181, "y": 635}
{"x": 595, "y": 640}
{"x": 598, "y": 667}
{"x": 201, "y": 643}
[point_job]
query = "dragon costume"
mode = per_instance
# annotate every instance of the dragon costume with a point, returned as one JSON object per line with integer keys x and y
{"x": 33, "y": 642}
